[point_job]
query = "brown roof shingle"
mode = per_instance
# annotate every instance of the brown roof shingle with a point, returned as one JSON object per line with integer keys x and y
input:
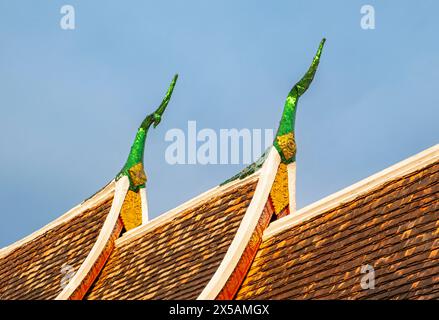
{"x": 393, "y": 228}
{"x": 34, "y": 270}
{"x": 176, "y": 259}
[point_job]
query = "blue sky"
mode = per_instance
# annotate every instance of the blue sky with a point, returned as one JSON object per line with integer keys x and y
{"x": 71, "y": 100}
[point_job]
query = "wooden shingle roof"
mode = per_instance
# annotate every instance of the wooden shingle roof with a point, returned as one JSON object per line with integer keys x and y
{"x": 38, "y": 267}
{"x": 394, "y": 228}
{"x": 218, "y": 246}
{"x": 175, "y": 259}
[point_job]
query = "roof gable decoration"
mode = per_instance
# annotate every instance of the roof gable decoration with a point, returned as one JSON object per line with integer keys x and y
{"x": 128, "y": 209}
{"x": 134, "y": 211}
{"x": 274, "y": 197}
{"x": 283, "y": 193}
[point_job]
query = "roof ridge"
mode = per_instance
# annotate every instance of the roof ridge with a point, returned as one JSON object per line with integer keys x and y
{"x": 400, "y": 169}
{"x": 83, "y": 206}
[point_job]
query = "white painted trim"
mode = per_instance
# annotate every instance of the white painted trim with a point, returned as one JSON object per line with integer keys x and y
{"x": 246, "y": 228}
{"x": 99, "y": 197}
{"x": 400, "y": 169}
{"x": 144, "y": 201}
{"x": 121, "y": 190}
{"x": 291, "y": 167}
{"x": 171, "y": 214}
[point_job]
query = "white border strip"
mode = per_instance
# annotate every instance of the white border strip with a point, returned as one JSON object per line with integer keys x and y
{"x": 400, "y": 169}
{"x": 171, "y": 214}
{"x": 122, "y": 186}
{"x": 99, "y": 197}
{"x": 291, "y": 168}
{"x": 245, "y": 230}
{"x": 144, "y": 203}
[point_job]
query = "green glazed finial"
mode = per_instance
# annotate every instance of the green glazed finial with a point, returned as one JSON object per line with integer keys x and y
{"x": 284, "y": 141}
{"x": 133, "y": 167}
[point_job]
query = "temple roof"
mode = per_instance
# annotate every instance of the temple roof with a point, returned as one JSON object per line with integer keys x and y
{"x": 389, "y": 221}
{"x": 244, "y": 238}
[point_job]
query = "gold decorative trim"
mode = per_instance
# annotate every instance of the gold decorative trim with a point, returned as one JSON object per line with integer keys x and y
{"x": 287, "y": 144}
{"x": 137, "y": 175}
{"x": 131, "y": 212}
{"x": 279, "y": 191}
